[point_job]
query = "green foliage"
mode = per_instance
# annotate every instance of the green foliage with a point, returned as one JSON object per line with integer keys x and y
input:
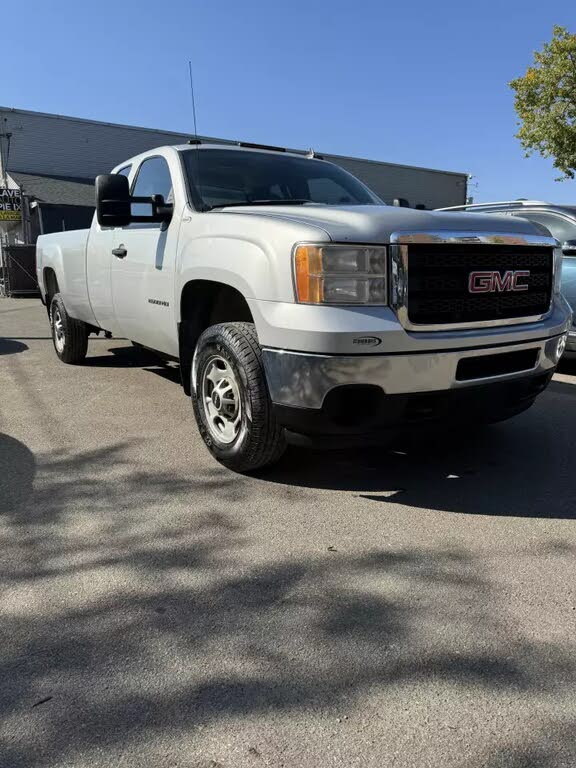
{"x": 545, "y": 102}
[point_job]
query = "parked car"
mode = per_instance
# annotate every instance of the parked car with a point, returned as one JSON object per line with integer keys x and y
{"x": 560, "y": 221}
{"x": 301, "y": 307}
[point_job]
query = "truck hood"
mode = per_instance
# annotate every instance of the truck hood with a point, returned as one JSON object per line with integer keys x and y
{"x": 375, "y": 223}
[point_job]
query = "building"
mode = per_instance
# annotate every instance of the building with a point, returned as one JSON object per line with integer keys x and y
{"x": 48, "y": 164}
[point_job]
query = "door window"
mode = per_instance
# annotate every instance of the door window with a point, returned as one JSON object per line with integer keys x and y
{"x": 153, "y": 179}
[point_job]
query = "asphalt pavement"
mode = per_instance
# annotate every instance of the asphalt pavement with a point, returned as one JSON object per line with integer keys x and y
{"x": 410, "y": 606}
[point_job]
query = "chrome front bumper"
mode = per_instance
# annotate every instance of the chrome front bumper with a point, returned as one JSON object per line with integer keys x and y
{"x": 303, "y": 380}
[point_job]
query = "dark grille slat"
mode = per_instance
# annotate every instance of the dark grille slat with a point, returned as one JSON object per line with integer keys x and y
{"x": 496, "y": 260}
{"x": 438, "y": 282}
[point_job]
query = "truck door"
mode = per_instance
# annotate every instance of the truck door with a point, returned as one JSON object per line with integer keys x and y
{"x": 98, "y": 271}
{"x": 143, "y": 265}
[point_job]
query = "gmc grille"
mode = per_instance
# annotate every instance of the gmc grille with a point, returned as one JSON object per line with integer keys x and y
{"x": 438, "y": 278}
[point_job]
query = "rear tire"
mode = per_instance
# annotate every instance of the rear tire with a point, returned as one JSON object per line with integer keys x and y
{"x": 70, "y": 336}
{"x": 231, "y": 403}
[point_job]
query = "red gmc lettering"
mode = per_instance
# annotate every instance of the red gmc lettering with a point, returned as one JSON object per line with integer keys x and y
{"x": 491, "y": 282}
{"x": 502, "y": 282}
{"x": 517, "y": 275}
{"x": 480, "y": 282}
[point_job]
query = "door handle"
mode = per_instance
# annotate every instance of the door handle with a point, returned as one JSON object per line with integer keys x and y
{"x": 120, "y": 252}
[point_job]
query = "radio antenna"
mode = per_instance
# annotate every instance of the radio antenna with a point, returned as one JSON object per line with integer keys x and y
{"x": 193, "y": 100}
{"x": 195, "y": 140}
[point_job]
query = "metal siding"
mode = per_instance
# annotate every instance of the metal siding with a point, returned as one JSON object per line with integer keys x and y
{"x": 48, "y": 189}
{"x": 62, "y": 146}
{"x": 417, "y": 185}
{"x": 50, "y": 145}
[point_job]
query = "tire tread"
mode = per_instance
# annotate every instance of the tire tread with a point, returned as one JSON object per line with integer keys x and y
{"x": 266, "y": 443}
{"x": 76, "y": 335}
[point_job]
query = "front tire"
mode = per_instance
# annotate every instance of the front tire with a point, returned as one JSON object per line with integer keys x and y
{"x": 70, "y": 336}
{"x": 231, "y": 401}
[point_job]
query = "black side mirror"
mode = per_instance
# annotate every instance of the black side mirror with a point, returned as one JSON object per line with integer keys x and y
{"x": 161, "y": 210}
{"x": 112, "y": 200}
{"x": 114, "y": 204}
{"x": 569, "y": 248}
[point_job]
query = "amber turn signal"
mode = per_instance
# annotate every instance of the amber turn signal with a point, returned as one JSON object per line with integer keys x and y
{"x": 308, "y": 267}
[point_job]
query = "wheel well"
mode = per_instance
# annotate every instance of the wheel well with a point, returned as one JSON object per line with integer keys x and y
{"x": 204, "y": 303}
{"x": 50, "y": 286}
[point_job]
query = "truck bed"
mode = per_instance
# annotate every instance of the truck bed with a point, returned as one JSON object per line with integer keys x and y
{"x": 65, "y": 254}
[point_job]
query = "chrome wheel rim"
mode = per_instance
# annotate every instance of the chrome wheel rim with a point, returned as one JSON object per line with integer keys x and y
{"x": 59, "y": 336}
{"x": 221, "y": 398}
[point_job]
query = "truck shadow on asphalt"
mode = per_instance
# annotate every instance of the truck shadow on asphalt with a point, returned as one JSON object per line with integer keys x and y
{"x": 523, "y": 467}
{"x": 125, "y": 627}
{"x": 136, "y": 357}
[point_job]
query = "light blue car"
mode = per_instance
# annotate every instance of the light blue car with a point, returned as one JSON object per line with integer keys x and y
{"x": 560, "y": 221}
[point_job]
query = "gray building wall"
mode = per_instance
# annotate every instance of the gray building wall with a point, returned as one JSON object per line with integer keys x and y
{"x": 54, "y": 145}
{"x": 417, "y": 185}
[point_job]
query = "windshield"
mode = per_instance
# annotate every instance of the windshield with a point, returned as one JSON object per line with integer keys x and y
{"x": 220, "y": 177}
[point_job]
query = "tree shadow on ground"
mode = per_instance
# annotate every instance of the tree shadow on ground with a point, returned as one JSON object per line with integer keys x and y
{"x": 17, "y": 470}
{"x": 11, "y": 346}
{"x": 123, "y": 625}
{"x": 551, "y": 745}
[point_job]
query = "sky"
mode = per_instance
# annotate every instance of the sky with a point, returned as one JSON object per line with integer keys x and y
{"x": 422, "y": 83}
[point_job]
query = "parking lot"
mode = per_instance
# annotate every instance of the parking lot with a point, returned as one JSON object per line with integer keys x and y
{"x": 410, "y": 606}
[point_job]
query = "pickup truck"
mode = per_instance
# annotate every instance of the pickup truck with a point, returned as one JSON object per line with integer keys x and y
{"x": 299, "y": 306}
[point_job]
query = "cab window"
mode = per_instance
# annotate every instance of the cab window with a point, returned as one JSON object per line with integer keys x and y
{"x": 153, "y": 178}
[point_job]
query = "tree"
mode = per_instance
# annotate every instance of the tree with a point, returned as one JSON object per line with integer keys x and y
{"x": 545, "y": 102}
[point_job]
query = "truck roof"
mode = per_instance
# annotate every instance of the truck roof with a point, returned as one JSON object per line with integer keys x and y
{"x": 241, "y": 146}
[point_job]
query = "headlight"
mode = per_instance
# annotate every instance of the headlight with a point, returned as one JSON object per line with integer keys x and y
{"x": 340, "y": 274}
{"x": 557, "y": 269}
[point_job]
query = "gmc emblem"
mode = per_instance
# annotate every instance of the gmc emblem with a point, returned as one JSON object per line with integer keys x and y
{"x": 494, "y": 282}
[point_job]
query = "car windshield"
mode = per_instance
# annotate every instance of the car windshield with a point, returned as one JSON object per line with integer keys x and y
{"x": 221, "y": 177}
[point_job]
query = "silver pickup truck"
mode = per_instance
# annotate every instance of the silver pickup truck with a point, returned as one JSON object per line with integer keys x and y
{"x": 299, "y": 306}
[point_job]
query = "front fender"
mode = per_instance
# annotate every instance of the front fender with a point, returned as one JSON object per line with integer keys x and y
{"x": 241, "y": 264}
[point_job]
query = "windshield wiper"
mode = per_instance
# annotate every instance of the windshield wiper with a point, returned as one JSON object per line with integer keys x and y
{"x": 288, "y": 201}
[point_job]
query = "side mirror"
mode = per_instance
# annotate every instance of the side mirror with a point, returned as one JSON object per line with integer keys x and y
{"x": 114, "y": 204}
{"x": 161, "y": 210}
{"x": 569, "y": 248}
{"x": 112, "y": 200}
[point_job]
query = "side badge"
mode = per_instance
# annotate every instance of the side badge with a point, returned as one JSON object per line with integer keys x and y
{"x": 367, "y": 341}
